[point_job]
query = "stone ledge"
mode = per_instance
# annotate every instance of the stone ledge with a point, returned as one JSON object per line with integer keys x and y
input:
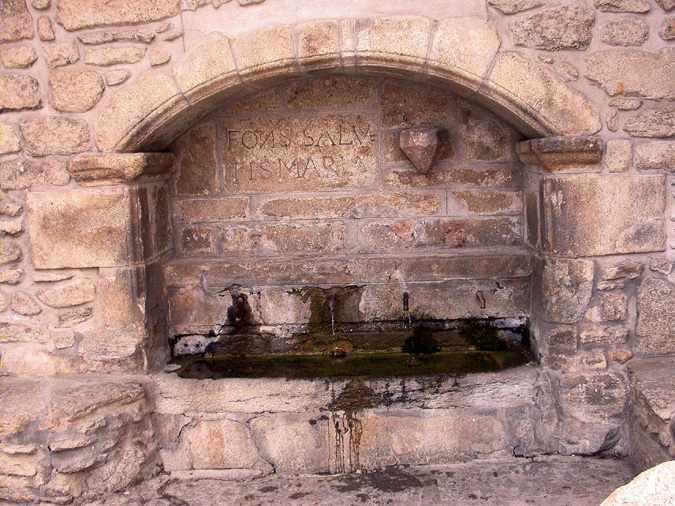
{"x": 93, "y": 169}
{"x": 562, "y": 154}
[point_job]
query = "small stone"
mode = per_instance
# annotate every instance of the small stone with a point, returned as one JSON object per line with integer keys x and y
{"x": 24, "y": 304}
{"x": 667, "y": 31}
{"x": 20, "y": 57}
{"x": 622, "y": 270}
{"x": 158, "y": 56}
{"x": 16, "y": 23}
{"x": 54, "y": 135}
{"x": 636, "y": 6}
{"x": 655, "y": 155}
{"x": 75, "y": 90}
{"x": 11, "y": 276}
{"x": 612, "y": 120}
{"x": 41, "y": 4}
{"x": 18, "y": 91}
{"x": 629, "y": 32}
{"x": 566, "y": 27}
{"x": 601, "y": 336}
{"x": 420, "y": 146}
{"x": 45, "y": 29}
{"x": 620, "y": 356}
{"x": 13, "y": 227}
{"x": 61, "y": 54}
{"x": 95, "y": 38}
{"x": 250, "y": 2}
{"x": 625, "y": 103}
{"x": 9, "y": 139}
{"x": 62, "y": 338}
{"x": 514, "y": 6}
{"x": 72, "y": 294}
{"x": 116, "y": 77}
{"x": 666, "y": 5}
{"x": 611, "y": 307}
{"x": 9, "y": 251}
{"x": 652, "y": 123}
{"x": 51, "y": 276}
{"x": 75, "y": 316}
{"x": 8, "y": 207}
{"x": 618, "y": 155}
{"x": 106, "y": 56}
{"x": 4, "y": 301}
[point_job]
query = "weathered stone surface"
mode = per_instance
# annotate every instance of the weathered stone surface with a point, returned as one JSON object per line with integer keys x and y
{"x": 625, "y": 103}
{"x": 9, "y": 251}
{"x": 75, "y": 91}
{"x": 567, "y": 287}
{"x": 11, "y": 276}
{"x": 655, "y": 332}
{"x": 24, "y": 304}
{"x": 447, "y": 233}
{"x": 16, "y": 22}
{"x": 608, "y": 307}
{"x": 205, "y": 210}
{"x": 637, "y": 6}
{"x": 654, "y": 486}
{"x": 106, "y": 56}
{"x": 655, "y": 156}
{"x": 18, "y": 92}
{"x": 667, "y": 30}
{"x": 666, "y": 5}
{"x": 158, "y": 56}
{"x": 41, "y": 4}
{"x": 360, "y": 206}
{"x": 651, "y": 123}
{"x": 603, "y": 335}
{"x": 45, "y": 29}
{"x": 618, "y": 155}
{"x": 629, "y": 32}
{"x": 104, "y": 169}
{"x": 420, "y": 146}
{"x": 595, "y": 215}
{"x": 558, "y": 154}
{"x": 77, "y": 14}
{"x": 19, "y": 57}
{"x": 78, "y": 228}
{"x": 71, "y": 294}
{"x": 20, "y": 173}
{"x": 514, "y": 6}
{"x": 145, "y": 36}
{"x": 292, "y": 442}
{"x": 9, "y": 139}
{"x": 61, "y": 54}
{"x": 567, "y": 27}
{"x": 323, "y": 152}
{"x": 620, "y": 71}
{"x": 54, "y": 135}
{"x": 219, "y": 444}
{"x": 198, "y": 167}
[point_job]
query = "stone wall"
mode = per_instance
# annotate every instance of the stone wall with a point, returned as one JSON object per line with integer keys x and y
{"x": 306, "y": 185}
{"x": 90, "y": 88}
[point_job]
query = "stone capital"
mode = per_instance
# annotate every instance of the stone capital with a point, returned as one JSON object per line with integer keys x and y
{"x": 100, "y": 169}
{"x": 562, "y": 154}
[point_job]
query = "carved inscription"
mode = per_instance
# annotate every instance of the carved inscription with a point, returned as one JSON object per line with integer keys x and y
{"x": 299, "y": 154}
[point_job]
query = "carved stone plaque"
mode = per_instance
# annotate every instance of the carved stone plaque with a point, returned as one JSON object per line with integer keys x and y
{"x": 320, "y": 152}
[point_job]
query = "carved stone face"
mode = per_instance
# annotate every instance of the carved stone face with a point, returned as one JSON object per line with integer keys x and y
{"x": 420, "y": 146}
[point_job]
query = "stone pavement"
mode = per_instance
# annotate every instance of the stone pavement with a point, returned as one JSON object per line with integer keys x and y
{"x": 549, "y": 481}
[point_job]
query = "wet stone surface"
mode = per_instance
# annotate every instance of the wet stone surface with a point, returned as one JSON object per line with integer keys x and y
{"x": 550, "y": 481}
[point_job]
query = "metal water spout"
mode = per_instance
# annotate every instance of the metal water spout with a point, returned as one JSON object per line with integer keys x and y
{"x": 332, "y": 301}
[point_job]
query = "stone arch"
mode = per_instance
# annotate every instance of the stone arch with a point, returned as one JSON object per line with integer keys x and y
{"x": 463, "y": 53}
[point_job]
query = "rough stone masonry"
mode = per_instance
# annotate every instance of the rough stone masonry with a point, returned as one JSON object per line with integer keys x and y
{"x": 155, "y": 153}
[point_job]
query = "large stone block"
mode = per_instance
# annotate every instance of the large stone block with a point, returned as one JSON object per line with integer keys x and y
{"x": 22, "y": 173}
{"x": 79, "y": 228}
{"x": 54, "y": 135}
{"x": 75, "y": 91}
{"x": 566, "y": 27}
{"x": 198, "y": 165}
{"x": 566, "y": 287}
{"x": 620, "y": 71}
{"x": 589, "y": 214}
{"x": 655, "y": 156}
{"x": 655, "y": 332}
{"x": 652, "y": 123}
{"x": 77, "y": 14}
